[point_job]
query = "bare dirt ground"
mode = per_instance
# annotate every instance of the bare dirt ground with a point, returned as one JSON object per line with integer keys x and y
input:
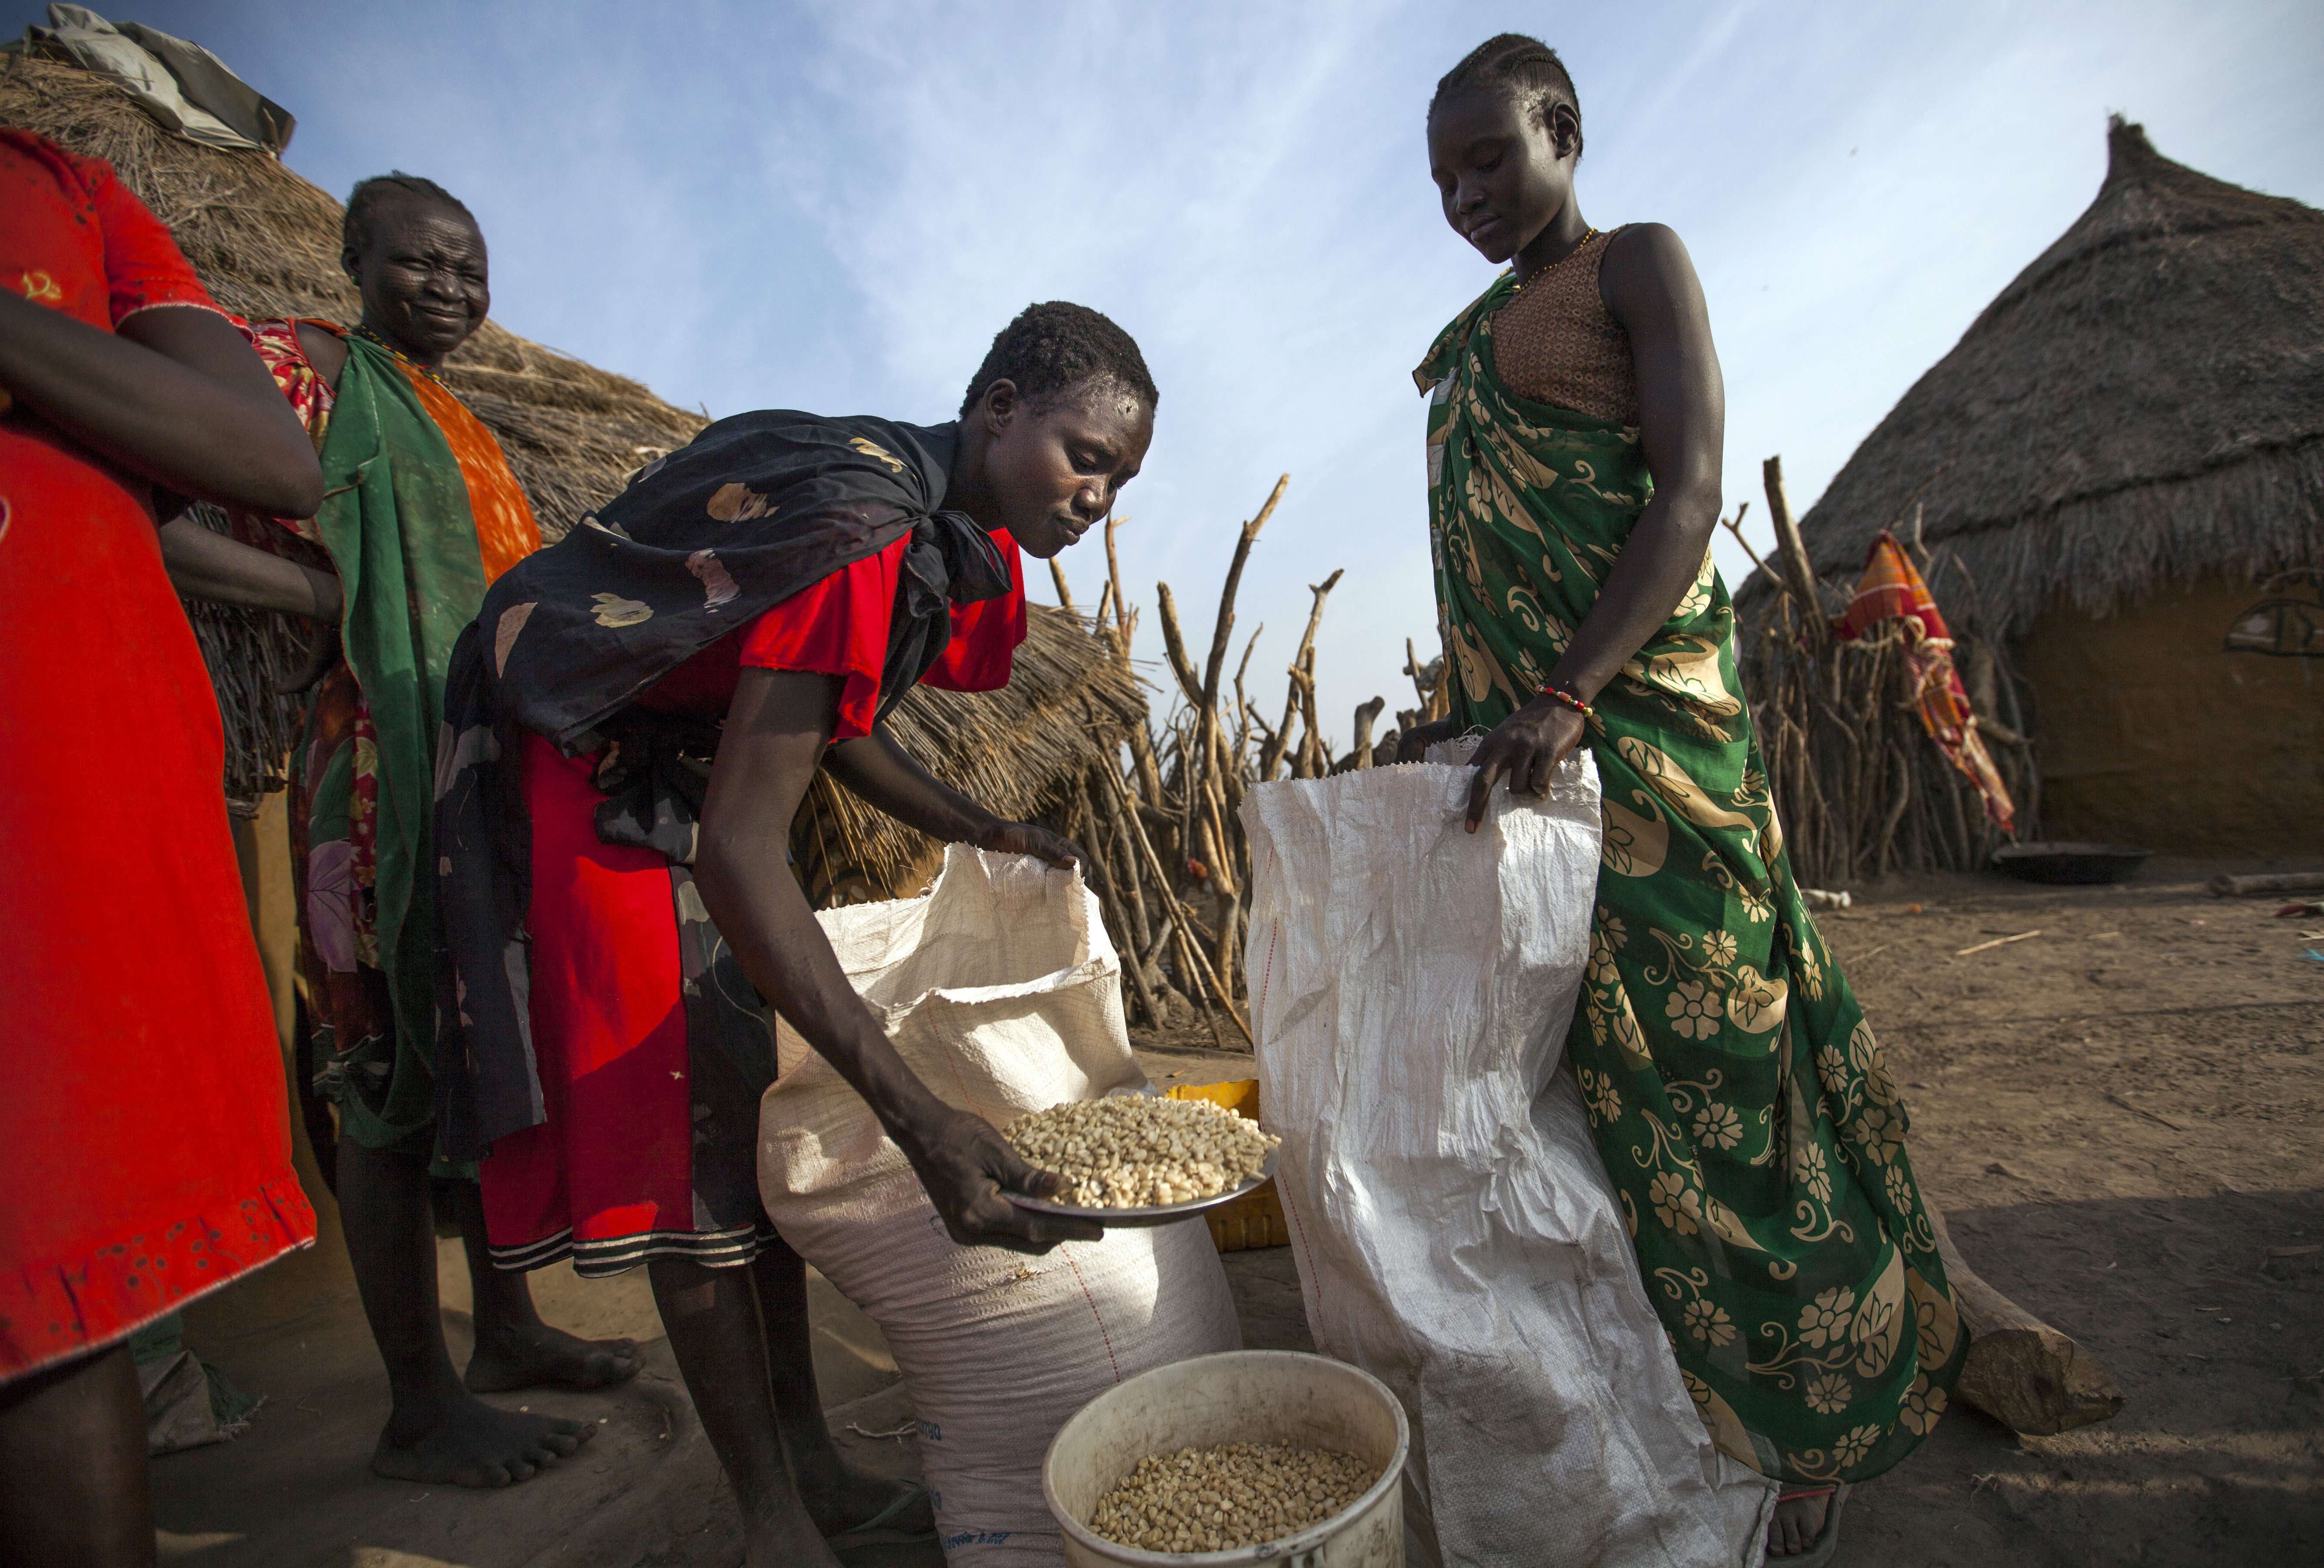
{"x": 2120, "y": 1115}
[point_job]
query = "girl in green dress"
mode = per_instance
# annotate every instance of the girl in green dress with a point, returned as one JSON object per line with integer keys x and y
{"x": 1742, "y": 1107}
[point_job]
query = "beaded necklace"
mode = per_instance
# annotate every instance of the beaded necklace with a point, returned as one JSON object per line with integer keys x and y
{"x": 368, "y": 335}
{"x": 1521, "y": 283}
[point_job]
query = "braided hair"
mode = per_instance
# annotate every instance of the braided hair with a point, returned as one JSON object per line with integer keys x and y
{"x": 369, "y": 196}
{"x": 1050, "y": 349}
{"x": 1525, "y": 67}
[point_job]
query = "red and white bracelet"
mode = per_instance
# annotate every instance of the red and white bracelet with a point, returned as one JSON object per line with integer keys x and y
{"x": 1560, "y": 693}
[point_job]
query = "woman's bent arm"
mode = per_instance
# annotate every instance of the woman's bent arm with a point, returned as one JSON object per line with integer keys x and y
{"x": 883, "y": 775}
{"x": 775, "y": 734}
{"x": 203, "y": 565}
{"x": 176, "y": 395}
{"x": 1649, "y": 284}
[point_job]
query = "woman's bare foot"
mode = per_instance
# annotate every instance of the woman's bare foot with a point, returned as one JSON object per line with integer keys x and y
{"x": 1798, "y": 1522}
{"x": 475, "y": 1445}
{"x": 537, "y": 1356}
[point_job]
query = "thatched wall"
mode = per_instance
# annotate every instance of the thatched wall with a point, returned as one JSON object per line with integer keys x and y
{"x": 2144, "y": 405}
{"x": 266, "y": 243}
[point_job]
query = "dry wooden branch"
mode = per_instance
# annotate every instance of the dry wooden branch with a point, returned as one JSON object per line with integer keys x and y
{"x": 1175, "y": 646}
{"x": 1064, "y": 594}
{"x": 1734, "y": 526}
{"x": 2224, "y": 886}
{"x": 2030, "y": 1377}
{"x": 1186, "y": 926}
{"x": 1995, "y": 942}
{"x": 1799, "y": 576}
{"x": 1367, "y": 715}
{"x": 1125, "y": 617}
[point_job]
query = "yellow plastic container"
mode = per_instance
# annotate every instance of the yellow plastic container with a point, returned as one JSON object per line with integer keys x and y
{"x": 1256, "y": 1218}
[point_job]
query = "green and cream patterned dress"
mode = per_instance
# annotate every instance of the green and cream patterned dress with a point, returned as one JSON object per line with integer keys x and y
{"x": 1738, "y": 1099}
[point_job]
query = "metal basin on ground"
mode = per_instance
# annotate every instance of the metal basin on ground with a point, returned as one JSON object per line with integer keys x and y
{"x": 1251, "y": 1396}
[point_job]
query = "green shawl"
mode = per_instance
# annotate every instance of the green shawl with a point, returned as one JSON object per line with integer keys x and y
{"x": 1738, "y": 1099}
{"x": 397, "y": 522}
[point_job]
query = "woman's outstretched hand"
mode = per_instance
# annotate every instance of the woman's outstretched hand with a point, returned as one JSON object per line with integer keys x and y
{"x": 964, "y": 1163}
{"x": 1412, "y": 745}
{"x": 1028, "y": 838}
{"x": 1525, "y": 749}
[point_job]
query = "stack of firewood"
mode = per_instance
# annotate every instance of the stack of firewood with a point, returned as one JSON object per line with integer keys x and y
{"x": 1160, "y": 821}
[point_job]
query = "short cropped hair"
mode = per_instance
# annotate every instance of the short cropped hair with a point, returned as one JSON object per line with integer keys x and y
{"x": 369, "y": 196}
{"x": 1525, "y": 67}
{"x": 1050, "y": 349}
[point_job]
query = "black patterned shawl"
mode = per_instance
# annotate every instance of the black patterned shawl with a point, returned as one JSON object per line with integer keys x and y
{"x": 704, "y": 541}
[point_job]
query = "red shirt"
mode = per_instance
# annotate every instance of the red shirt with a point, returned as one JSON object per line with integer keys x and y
{"x": 839, "y": 626}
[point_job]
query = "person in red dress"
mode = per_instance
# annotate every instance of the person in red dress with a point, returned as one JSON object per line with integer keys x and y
{"x": 631, "y": 725}
{"x": 144, "y": 1141}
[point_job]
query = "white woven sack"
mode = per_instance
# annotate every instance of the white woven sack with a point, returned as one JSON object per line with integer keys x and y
{"x": 1001, "y": 991}
{"x": 1455, "y": 1232}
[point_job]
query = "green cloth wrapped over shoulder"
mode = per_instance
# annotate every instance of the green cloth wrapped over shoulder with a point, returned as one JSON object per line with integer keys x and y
{"x": 1742, "y": 1104}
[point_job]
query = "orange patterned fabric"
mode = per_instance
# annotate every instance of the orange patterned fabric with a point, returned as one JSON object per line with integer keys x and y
{"x": 1891, "y": 589}
{"x": 506, "y": 530}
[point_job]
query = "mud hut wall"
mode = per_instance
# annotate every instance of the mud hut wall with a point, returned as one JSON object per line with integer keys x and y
{"x": 2152, "y": 733}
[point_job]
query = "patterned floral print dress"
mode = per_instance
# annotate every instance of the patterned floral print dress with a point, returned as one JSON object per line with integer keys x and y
{"x": 1737, "y": 1096}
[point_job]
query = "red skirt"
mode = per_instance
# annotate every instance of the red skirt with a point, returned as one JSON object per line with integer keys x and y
{"x": 608, "y": 1178}
{"x": 144, "y": 1135}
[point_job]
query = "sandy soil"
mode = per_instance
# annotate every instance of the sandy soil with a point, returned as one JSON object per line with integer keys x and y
{"x": 2121, "y": 1117}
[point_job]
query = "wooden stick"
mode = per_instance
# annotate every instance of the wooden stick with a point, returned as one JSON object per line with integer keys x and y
{"x": 1125, "y": 617}
{"x": 2030, "y": 1377}
{"x": 1995, "y": 942}
{"x": 1132, "y": 934}
{"x": 1735, "y": 526}
{"x": 1064, "y": 594}
{"x": 2224, "y": 886}
{"x": 1206, "y": 722}
{"x": 1367, "y": 715}
{"x": 1186, "y": 921}
{"x": 1799, "y": 576}
{"x": 1273, "y": 756}
{"x": 1175, "y": 645}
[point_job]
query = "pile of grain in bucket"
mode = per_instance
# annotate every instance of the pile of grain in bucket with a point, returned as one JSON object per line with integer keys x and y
{"x": 1239, "y": 1494}
{"x": 1137, "y": 1152}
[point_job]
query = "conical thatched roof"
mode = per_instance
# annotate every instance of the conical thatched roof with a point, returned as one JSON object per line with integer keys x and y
{"x": 266, "y": 243}
{"x": 2142, "y": 404}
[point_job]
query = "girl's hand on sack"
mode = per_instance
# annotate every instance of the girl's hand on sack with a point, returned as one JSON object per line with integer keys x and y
{"x": 1026, "y": 839}
{"x": 1526, "y": 749}
{"x": 964, "y": 1163}
{"x": 1413, "y": 745}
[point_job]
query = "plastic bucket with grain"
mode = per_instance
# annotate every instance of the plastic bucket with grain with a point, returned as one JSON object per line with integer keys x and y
{"x": 1252, "y": 1396}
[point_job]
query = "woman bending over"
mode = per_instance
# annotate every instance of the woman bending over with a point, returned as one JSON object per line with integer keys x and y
{"x": 635, "y": 717}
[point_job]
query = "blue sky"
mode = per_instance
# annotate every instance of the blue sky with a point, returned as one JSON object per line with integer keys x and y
{"x": 834, "y": 206}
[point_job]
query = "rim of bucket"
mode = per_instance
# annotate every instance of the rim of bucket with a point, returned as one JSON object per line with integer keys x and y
{"x": 1306, "y": 1540}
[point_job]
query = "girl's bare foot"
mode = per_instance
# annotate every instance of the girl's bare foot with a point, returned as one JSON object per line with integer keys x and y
{"x": 1797, "y": 1524}
{"x": 537, "y": 1356}
{"x": 475, "y": 1445}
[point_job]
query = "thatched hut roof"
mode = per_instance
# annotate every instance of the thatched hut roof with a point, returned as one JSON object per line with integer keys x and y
{"x": 2142, "y": 404}
{"x": 266, "y": 243}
